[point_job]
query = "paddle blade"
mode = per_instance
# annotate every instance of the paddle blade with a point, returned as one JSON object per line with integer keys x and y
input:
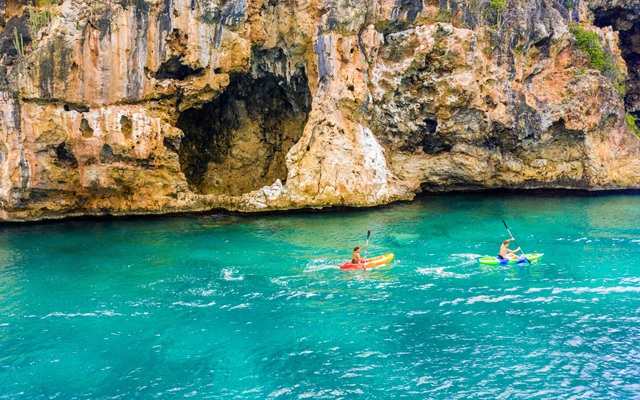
{"x": 505, "y": 225}
{"x": 368, "y": 234}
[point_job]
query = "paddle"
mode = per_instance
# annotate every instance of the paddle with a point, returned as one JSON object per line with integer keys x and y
{"x": 514, "y": 241}
{"x": 368, "y": 235}
{"x": 366, "y": 244}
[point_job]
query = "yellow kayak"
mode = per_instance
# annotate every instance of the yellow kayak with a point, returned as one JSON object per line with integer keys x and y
{"x": 369, "y": 262}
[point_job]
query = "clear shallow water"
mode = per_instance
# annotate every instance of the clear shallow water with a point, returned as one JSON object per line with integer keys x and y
{"x": 255, "y": 307}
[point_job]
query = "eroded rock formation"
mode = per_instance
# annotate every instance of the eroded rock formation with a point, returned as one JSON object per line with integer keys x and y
{"x": 136, "y": 107}
{"x": 624, "y": 17}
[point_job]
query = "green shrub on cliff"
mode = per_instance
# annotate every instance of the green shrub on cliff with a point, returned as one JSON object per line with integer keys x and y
{"x": 18, "y": 42}
{"x": 589, "y": 43}
{"x": 443, "y": 16}
{"x": 632, "y": 122}
{"x": 495, "y": 10}
{"x": 39, "y": 19}
{"x": 40, "y": 16}
{"x": 621, "y": 87}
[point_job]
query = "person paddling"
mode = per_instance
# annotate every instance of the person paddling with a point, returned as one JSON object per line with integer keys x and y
{"x": 356, "y": 254}
{"x": 506, "y": 253}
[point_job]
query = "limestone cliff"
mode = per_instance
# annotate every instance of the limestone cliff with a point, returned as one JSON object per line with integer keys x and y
{"x": 135, "y": 107}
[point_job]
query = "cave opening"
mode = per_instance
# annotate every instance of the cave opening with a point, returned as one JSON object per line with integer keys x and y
{"x": 238, "y": 142}
{"x": 627, "y": 23}
{"x": 174, "y": 69}
{"x": 432, "y": 142}
{"x": 64, "y": 156}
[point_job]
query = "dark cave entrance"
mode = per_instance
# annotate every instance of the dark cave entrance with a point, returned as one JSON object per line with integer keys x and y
{"x": 627, "y": 23}
{"x": 237, "y": 143}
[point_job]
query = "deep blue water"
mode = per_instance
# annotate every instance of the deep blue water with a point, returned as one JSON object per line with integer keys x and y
{"x": 255, "y": 307}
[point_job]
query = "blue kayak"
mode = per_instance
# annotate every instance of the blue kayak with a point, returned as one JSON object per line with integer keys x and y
{"x": 522, "y": 259}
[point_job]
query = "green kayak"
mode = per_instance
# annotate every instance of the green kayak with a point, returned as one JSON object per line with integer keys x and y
{"x": 496, "y": 261}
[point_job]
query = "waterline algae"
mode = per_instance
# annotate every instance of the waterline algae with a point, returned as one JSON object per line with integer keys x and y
{"x": 256, "y": 307}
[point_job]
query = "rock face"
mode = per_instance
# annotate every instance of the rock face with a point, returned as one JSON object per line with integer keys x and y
{"x": 140, "y": 107}
{"x": 624, "y": 17}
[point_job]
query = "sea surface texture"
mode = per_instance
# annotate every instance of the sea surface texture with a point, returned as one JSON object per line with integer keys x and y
{"x": 256, "y": 307}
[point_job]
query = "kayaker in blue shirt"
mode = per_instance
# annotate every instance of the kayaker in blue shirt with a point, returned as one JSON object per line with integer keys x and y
{"x": 506, "y": 252}
{"x": 356, "y": 254}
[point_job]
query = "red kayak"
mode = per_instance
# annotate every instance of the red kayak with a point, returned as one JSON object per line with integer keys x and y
{"x": 369, "y": 262}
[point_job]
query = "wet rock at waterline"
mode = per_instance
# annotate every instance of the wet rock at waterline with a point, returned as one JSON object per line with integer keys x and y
{"x": 156, "y": 107}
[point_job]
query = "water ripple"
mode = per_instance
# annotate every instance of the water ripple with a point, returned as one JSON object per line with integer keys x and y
{"x": 597, "y": 290}
{"x": 441, "y": 272}
{"x": 194, "y": 304}
{"x": 231, "y": 274}
{"x": 104, "y": 313}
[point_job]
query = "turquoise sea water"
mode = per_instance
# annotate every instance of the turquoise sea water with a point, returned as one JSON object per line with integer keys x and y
{"x": 255, "y": 307}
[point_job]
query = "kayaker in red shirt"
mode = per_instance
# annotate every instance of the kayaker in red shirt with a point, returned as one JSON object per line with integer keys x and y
{"x": 356, "y": 254}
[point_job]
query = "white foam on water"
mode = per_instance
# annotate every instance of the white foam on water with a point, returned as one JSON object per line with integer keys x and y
{"x": 540, "y": 300}
{"x": 598, "y": 290}
{"x": 89, "y": 314}
{"x": 412, "y": 313}
{"x": 321, "y": 264}
{"x": 301, "y": 353}
{"x": 575, "y": 341}
{"x": 490, "y": 299}
{"x": 453, "y": 302}
{"x": 228, "y": 275}
{"x": 243, "y": 305}
{"x": 368, "y": 354}
{"x": 279, "y": 281}
{"x": 280, "y": 392}
{"x": 634, "y": 387}
{"x": 191, "y": 304}
{"x": 441, "y": 273}
{"x": 465, "y": 258}
{"x": 301, "y": 293}
{"x": 424, "y": 380}
{"x": 446, "y": 385}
